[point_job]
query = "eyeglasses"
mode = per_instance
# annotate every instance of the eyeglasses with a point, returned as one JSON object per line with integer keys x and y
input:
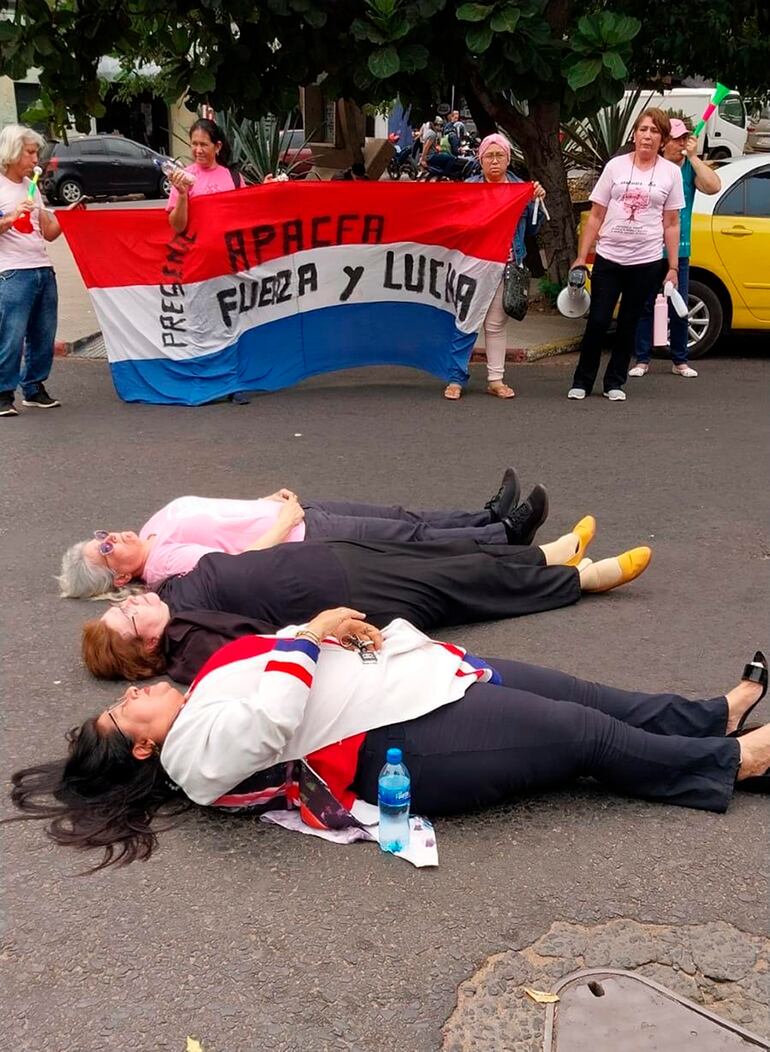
{"x": 130, "y": 618}
{"x": 105, "y": 547}
{"x": 111, "y": 714}
{"x": 487, "y": 157}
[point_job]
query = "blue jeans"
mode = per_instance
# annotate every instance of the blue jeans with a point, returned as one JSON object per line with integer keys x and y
{"x": 28, "y": 305}
{"x": 678, "y": 328}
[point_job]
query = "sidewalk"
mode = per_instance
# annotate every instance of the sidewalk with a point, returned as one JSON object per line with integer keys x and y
{"x": 540, "y": 335}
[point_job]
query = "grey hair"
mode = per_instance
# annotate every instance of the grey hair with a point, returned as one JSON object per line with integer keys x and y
{"x": 81, "y": 578}
{"x": 12, "y": 139}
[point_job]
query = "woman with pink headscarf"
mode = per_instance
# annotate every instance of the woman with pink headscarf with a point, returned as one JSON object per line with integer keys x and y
{"x": 495, "y": 156}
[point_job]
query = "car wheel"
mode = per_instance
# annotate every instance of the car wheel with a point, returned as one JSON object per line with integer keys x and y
{"x": 705, "y": 319}
{"x": 164, "y": 186}
{"x": 720, "y": 154}
{"x": 69, "y": 191}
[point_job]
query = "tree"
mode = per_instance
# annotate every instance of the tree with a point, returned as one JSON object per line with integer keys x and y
{"x": 525, "y": 65}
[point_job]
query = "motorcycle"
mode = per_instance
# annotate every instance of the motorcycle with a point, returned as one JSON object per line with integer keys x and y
{"x": 443, "y": 167}
{"x": 404, "y": 160}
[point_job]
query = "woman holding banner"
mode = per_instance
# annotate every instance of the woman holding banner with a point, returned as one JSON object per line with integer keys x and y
{"x": 209, "y": 173}
{"x": 495, "y": 156}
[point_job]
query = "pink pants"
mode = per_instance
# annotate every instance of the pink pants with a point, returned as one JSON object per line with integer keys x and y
{"x": 494, "y": 336}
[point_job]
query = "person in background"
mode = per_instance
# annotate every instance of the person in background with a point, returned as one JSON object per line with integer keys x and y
{"x": 494, "y": 157}
{"x": 681, "y": 149}
{"x": 475, "y": 732}
{"x": 28, "y": 295}
{"x": 635, "y": 215}
{"x": 430, "y": 140}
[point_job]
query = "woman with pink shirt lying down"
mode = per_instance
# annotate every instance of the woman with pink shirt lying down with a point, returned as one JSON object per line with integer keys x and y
{"x": 634, "y": 218}
{"x": 174, "y": 539}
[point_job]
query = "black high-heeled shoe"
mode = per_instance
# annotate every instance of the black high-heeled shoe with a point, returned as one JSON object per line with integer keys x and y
{"x": 754, "y": 672}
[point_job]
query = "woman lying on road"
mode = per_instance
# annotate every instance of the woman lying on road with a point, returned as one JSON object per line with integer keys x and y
{"x": 432, "y": 585}
{"x": 474, "y": 732}
{"x": 174, "y": 538}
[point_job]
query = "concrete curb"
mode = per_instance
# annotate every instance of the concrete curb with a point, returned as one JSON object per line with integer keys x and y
{"x": 93, "y": 347}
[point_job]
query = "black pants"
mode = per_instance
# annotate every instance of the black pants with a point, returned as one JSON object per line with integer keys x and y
{"x": 609, "y": 281}
{"x": 344, "y": 520}
{"x": 453, "y": 583}
{"x": 545, "y": 728}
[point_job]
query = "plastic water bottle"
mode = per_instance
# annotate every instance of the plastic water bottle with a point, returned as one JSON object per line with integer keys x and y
{"x": 394, "y": 796}
{"x": 660, "y": 322}
{"x": 168, "y": 165}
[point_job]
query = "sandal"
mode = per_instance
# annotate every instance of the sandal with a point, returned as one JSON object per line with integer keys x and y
{"x": 498, "y": 389}
{"x": 453, "y": 392}
{"x": 753, "y": 672}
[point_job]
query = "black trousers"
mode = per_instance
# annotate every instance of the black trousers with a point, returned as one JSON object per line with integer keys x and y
{"x": 609, "y": 281}
{"x": 544, "y": 728}
{"x": 344, "y": 520}
{"x": 453, "y": 583}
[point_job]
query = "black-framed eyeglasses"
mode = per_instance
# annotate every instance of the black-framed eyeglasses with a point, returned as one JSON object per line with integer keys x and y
{"x": 123, "y": 735}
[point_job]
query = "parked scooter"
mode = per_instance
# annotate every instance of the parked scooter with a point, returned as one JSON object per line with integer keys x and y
{"x": 404, "y": 160}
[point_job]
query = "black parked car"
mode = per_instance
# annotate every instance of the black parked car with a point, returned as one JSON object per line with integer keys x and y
{"x": 100, "y": 166}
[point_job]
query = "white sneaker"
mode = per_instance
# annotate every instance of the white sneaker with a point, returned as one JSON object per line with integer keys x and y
{"x": 615, "y": 395}
{"x": 640, "y": 369}
{"x": 576, "y": 392}
{"x": 683, "y": 370}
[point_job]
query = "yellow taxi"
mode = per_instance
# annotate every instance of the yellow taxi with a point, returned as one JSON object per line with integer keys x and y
{"x": 730, "y": 259}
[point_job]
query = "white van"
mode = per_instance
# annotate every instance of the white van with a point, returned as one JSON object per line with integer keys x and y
{"x": 726, "y": 129}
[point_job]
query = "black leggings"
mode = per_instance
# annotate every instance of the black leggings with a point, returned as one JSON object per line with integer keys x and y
{"x": 544, "y": 728}
{"x": 609, "y": 281}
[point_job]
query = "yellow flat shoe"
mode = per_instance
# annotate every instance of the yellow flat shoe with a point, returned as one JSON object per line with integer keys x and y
{"x": 611, "y": 573}
{"x": 585, "y": 531}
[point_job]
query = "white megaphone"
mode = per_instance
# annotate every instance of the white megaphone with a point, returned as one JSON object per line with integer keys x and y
{"x": 574, "y": 301}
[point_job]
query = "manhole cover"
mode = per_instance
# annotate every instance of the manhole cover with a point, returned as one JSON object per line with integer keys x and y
{"x": 608, "y": 1010}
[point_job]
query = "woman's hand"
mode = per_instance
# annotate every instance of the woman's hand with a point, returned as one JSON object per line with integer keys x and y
{"x": 580, "y": 261}
{"x": 538, "y": 190}
{"x": 352, "y": 628}
{"x": 180, "y": 182}
{"x": 281, "y": 495}
{"x": 328, "y": 622}
{"x": 23, "y": 206}
{"x": 672, "y": 275}
{"x": 292, "y": 513}
{"x": 691, "y": 147}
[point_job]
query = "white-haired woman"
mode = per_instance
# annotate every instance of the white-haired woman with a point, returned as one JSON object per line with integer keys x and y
{"x": 28, "y": 295}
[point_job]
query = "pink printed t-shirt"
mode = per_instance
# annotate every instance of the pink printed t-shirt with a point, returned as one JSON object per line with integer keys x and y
{"x": 214, "y": 180}
{"x": 21, "y": 251}
{"x": 632, "y": 231}
{"x": 191, "y": 527}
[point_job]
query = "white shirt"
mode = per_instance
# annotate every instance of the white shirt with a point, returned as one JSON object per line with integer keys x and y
{"x": 245, "y": 715}
{"x": 21, "y": 251}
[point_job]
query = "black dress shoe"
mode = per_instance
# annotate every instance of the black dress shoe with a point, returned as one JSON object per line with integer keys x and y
{"x": 755, "y": 671}
{"x": 506, "y": 498}
{"x": 523, "y": 523}
{"x": 759, "y": 783}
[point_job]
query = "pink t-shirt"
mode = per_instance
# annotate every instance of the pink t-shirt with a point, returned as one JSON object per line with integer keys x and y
{"x": 190, "y": 527}
{"x": 214, "y": 180}
{"x": 632, "y": 231}
{"x": 21, "y": 251}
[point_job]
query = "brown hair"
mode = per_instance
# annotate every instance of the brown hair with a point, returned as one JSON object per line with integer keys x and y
{"x": 109, "y": 655}
{"x": 658, "y": 117}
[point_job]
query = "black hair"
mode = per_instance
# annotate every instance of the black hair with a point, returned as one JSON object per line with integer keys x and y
{"x": 215, "y": 133}
{"x": 104, "y": 797}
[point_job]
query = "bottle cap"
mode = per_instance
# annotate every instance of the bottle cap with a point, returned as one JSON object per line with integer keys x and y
{"x": 393, "y": 756}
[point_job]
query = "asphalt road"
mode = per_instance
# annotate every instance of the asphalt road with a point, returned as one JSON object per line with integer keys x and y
{"x": 251, "y": 938}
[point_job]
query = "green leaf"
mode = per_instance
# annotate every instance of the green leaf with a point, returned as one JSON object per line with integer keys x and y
{"x": 583, "y": 72}
{"x": 473, "y": 12}
{"x": 7, "y": 30}
{"x": 362, "y": 30}
{"x": 478, "y": 39}
{"x": 384, "y": 62}
{"x": 413, "y": 57}
{"x": 615, "y": 64}
{"x": 202, "y": 80}
{"x": 315, "y": 18}
{"x": 505, "y": 21}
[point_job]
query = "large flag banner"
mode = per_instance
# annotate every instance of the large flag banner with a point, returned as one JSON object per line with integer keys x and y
{"x": 275, "y": 283}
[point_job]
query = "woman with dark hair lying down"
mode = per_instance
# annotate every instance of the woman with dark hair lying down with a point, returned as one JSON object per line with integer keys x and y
{"x": 432, "y": 584}
{"x": 474, "y": 732}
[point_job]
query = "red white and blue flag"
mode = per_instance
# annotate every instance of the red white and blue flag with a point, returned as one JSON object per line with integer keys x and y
{"x": 272, "y": 284}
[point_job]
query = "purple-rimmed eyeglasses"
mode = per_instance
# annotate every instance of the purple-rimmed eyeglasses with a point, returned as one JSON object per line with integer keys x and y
{"x": 105, "y": 546}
